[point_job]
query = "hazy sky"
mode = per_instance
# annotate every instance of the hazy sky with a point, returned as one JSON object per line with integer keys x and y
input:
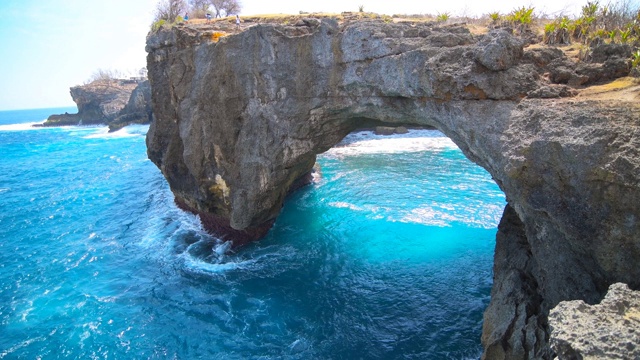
{"x": 51, "y": 45}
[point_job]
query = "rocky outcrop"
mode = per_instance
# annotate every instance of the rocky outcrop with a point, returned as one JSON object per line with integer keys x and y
{"x": 113, "y": 102}
{"x": 609, "y": 330}
{"x": 239, "y": 123}
{"x": 138, "y": 109}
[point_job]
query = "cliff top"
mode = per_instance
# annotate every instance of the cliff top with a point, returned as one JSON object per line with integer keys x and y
{"x": 476, "y": 26}
{"x": 626, "y": 89}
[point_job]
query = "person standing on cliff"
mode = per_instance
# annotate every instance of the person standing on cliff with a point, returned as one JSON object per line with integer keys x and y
{"x": 208, "y": 16}
{"x": 186, "y": 17}
{"x": 237, "y": 22}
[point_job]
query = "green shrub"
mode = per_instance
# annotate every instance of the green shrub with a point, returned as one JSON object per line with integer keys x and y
{"x": 495, "y": 17}
{"x": 157, "y": 25}
{"x": 558, "y": 32}
{"x": 624, "y": 35}
{"x": 590, "y": 10}
{"x": 443, "y": 17}
{"x": 635, "y": 59}
{"x": 521, "y": 18}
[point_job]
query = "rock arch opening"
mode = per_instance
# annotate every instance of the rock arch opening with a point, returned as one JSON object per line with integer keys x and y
{"x": 403, "y": 231}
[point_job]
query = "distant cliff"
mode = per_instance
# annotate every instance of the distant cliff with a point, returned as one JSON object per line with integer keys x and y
{"x": 116, "y": 103}
{"x": 240, "y": 119}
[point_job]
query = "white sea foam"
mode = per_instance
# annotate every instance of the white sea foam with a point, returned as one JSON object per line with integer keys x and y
{"x": 20, "y": 345}
{"x": 366, "y": 142}
{"x": 125, "y": 132}
{"x": 428, "y": 216}
{"x": 103, "y": 133}
{"x": 197, "y": 265}
{"x": 185, "y": 223}
{"x": 22, "y": 127}
{"x": 345, "y": 205}
{"x": 444, "y": 215}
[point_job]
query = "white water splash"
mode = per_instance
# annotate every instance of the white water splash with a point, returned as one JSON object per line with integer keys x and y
{"x": 366, "y": 142}
{"x": 22, "y": 126}
{"x": 126, "y": 132}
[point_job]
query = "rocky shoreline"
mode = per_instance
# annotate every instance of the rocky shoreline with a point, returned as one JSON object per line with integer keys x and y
{"x": 240, "y": 118}
{"x": 112, "y": 102}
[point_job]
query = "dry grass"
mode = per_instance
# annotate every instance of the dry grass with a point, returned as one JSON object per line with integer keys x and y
{"x": 622, "y": 89}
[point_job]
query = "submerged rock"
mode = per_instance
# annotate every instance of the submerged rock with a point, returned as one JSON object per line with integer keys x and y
{"x": 385, "y": 130}
{"x": 609, "y": 330}
{"x": 239, "y": 122}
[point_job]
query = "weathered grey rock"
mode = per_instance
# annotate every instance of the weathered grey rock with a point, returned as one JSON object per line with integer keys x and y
{"x": 606, "y": 62}
{"x": 385, "y": 130}
{"x": 499, "y": 50}
{"x": 543, "y": 56}
{"x": 239, "y": 123}
{"x": 612, "y": 68}
{"x": 138, "y": 109}
{"x": 113, "y": 102}
{"x": 609, "y": 330}
{"x": 603, "y": 52}
{"x": 552, "y": 91}
{"x": 401, "y": 130}
{"x": 100, "y": 101}
{"x": 514, "y": 322}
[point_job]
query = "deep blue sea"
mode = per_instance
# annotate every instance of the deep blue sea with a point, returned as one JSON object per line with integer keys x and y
{"x": 388, "y": 255}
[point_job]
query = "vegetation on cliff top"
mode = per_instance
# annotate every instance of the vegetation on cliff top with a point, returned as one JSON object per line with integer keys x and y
{"x": 613, "y": 22}
{"x": 171, "y": 11}
{"x": 114, "y": 74}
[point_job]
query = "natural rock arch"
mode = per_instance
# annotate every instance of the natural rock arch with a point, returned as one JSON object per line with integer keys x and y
{"x": 239, "y": 122}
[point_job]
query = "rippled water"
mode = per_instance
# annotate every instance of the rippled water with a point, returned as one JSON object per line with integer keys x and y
{"x": 387, "y": 256}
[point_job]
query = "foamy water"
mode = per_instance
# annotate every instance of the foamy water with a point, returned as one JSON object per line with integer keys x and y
{"x": 22, "y": 127}
{"x": 366, "y": 142}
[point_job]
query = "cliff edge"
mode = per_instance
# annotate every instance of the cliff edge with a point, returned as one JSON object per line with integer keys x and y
{"x": 241, "y": 116}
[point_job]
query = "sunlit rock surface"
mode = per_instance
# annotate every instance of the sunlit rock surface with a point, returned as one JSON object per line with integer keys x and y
{"x": 609, "y": 330}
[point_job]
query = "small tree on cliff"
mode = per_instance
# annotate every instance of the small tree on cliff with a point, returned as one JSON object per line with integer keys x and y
{"x": 198, "y": 8}
{"x": 226, "y": 7}
{"x": 169, "y": 10}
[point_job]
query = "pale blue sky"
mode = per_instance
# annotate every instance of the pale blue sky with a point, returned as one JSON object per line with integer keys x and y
{"x": 50, "y": 45}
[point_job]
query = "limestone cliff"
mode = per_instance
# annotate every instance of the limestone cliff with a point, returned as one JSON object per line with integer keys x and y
{"x": 108, "y": 101}
{"x": 239, "y": 122}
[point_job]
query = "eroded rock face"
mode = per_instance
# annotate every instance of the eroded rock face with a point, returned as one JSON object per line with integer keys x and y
{"x": 116, "y": 103}
{"x": 239, "y": 123}
{"x": 609, "y": 330}
{"x": 138, "y": 109}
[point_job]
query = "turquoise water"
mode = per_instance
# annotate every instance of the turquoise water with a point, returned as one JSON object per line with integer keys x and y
{"x": 387, "y": 255}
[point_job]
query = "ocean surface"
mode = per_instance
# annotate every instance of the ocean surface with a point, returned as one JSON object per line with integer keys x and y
{"x": 388, "y": 255}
